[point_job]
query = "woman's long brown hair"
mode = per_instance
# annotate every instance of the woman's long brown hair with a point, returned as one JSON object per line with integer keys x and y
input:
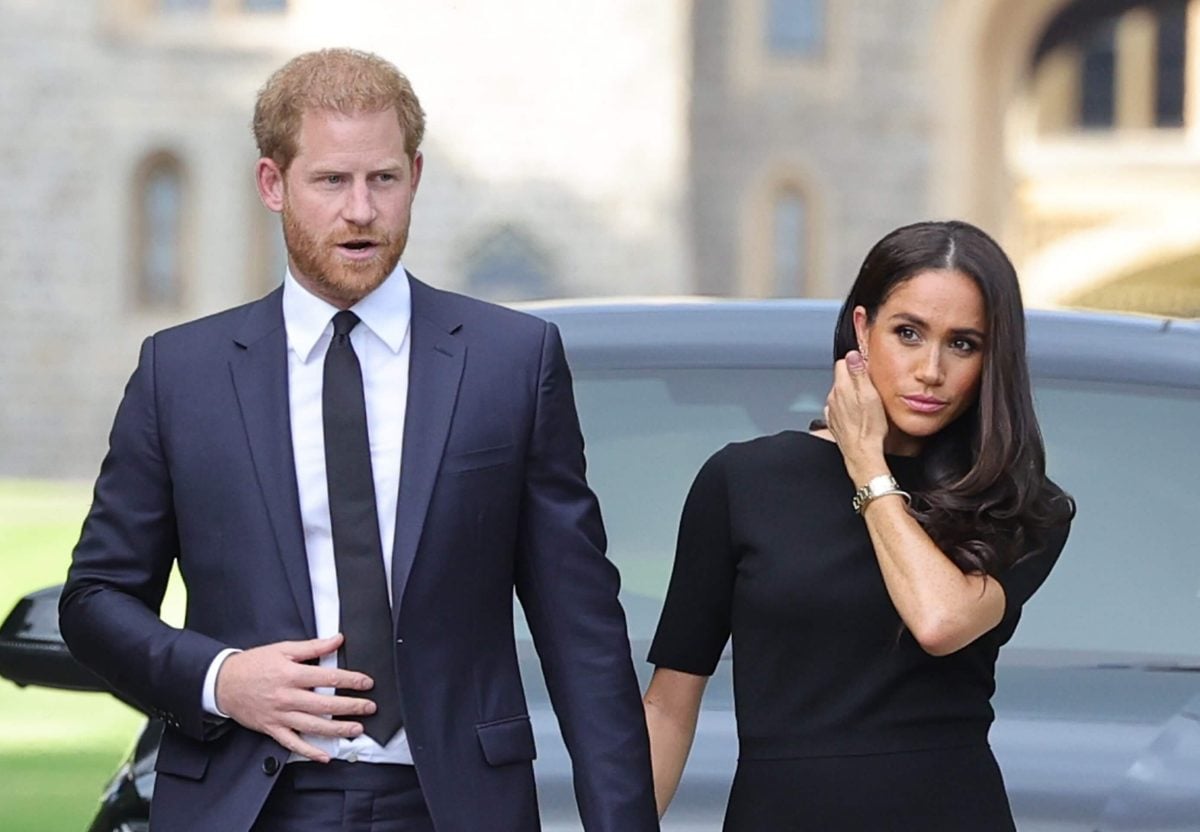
{"x": 985, "y": 490}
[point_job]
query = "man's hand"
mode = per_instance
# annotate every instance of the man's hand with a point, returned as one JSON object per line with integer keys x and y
{"x": 269, "y": 689}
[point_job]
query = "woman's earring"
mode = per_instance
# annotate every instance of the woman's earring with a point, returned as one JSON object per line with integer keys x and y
{"x": 862, "y": 351}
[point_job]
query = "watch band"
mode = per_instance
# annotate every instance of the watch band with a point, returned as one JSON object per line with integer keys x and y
{"x": 875, "y": 488}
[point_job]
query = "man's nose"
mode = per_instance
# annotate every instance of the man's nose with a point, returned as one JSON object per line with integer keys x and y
{"x": 360, "y": 205}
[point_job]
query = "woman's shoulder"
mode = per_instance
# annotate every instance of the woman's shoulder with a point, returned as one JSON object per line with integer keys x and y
{"x": 789, "y": 447}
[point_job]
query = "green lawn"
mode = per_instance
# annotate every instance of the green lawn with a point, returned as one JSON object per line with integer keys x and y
{"x": 57, "y": 748}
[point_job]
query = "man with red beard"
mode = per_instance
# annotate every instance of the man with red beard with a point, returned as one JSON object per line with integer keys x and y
{"x": 353, "y": 475}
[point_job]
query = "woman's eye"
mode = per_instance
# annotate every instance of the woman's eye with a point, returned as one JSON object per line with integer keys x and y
{"x": 963, "y": 345}
{"x": 907, "y": 333}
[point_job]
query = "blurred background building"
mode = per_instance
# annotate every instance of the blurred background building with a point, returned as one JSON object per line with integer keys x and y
{"x": 576, "y": 148}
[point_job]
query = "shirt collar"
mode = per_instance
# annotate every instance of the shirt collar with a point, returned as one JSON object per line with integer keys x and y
{"x": 387, "y": 312}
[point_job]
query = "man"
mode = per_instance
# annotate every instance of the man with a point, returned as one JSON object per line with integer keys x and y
{"x": 353, "y": 474}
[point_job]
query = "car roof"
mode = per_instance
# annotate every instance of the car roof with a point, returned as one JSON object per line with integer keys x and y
{"x": 795, "y": 333}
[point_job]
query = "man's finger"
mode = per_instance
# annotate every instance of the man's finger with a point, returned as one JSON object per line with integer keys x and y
{"x": 307, "y": 676}
{"x": 313, "y": 648}
{"x": 321, "y": 726}
{"x": 290, "y": 740}
{"x": 324, "y": 705}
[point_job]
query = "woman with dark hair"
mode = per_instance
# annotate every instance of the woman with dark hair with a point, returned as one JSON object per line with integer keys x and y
{"x": 870, "y": 569}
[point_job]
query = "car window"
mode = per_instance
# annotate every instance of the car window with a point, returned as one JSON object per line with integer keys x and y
{"x": 647, "y": 434}
{"x": 1128, "y": 581}
{"x": 1129, "y": 578}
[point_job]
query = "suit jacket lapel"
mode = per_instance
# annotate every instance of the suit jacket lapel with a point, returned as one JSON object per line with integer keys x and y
{"x": 260, "y": 378}
{"x": 436, "y": 360}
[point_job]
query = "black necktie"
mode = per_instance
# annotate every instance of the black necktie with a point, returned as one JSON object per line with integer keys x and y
{"x": 366, "y": 615}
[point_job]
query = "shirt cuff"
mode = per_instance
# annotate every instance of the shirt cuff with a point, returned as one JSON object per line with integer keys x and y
{"x": 209, "y": 698}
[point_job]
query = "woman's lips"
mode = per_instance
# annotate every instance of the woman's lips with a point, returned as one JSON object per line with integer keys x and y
{"x": 924, "y": 404}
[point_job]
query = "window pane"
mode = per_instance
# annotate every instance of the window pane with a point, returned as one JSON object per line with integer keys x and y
{"x": 1099, "y": 76}
{"x": 1131, "y": 465}
{"x": 508, "y": 266}
{"x": 649, "y": 431}
{"x": 791, "y": 253}
{"x": 1129, "y": 579}
{"x": 795, "y": 27}
{"x": 162, "y": 208}
{"x": 1172, "y": 47}
{"x": 264, "y": 5}
{"x": 185, "y": 5}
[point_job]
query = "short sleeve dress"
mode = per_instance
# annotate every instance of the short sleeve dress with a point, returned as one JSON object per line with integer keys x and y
{"x": 844, "y": 722}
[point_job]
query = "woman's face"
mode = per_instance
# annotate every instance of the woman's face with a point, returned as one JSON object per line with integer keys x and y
{"x": 925, "y": 354}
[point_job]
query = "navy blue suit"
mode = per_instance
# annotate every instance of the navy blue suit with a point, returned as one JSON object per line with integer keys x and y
{"x": 492, "y": 497}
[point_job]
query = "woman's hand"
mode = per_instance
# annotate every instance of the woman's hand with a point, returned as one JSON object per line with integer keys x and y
{"x": 856, "y": 418}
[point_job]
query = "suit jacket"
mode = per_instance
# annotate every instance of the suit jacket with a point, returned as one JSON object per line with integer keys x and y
{"x": 493, "y": 496}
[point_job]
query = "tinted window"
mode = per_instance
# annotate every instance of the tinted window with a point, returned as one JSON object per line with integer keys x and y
{"x": 1129, "y": 579}
{"x": 648, "y": 433}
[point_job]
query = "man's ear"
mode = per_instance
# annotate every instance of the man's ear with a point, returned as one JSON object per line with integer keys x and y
{"x": 269, "y": 178}
{"x": 418, "y": 165}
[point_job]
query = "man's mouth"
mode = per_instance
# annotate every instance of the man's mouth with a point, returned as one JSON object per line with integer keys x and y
{"x": 358, "y": 249}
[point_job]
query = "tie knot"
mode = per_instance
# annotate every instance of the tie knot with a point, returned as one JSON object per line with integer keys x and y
{"x": 343, "y": 322}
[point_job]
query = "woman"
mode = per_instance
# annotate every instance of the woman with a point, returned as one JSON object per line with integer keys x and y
{"x": 870, "y": 570}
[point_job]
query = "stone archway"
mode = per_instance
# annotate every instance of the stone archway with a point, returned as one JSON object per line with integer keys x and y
{"x": 983, "y": 49}
{"x": 1086, "y": 216}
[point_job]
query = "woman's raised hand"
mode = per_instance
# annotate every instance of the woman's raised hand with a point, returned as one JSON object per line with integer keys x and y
{"x": 856, "y": 418}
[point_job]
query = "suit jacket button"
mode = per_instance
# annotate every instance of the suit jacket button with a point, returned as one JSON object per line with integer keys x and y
{"x": 270, "y": 765}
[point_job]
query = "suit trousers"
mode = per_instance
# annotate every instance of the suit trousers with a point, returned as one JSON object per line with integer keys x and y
{"x": 345, "y": 797}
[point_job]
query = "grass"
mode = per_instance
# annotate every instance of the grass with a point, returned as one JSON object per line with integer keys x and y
{"x": 57, "y": 748}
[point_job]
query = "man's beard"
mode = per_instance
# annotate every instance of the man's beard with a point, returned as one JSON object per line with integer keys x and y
{"x": 334, "y": 278}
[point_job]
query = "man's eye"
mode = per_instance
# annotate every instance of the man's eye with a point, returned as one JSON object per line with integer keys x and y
{"x": 332, "y": 179}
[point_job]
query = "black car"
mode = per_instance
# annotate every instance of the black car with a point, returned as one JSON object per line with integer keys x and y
{"x": 1098, "y": 695}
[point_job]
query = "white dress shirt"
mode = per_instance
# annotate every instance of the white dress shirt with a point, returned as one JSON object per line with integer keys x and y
{"x": 381, "y": 342}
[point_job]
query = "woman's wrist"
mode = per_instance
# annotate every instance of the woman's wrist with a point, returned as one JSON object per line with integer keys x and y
{"x": 865, "y": 467}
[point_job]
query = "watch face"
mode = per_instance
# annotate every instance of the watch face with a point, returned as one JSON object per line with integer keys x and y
{"x": 877, "y": 487}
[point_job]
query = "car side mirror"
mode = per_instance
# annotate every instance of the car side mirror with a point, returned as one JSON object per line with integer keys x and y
{"x": 32, "y": 651}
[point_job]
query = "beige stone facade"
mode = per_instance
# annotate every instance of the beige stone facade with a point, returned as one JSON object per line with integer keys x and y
{"x": 726, "y": 147}
{"x": 897, "y": 110}
{"x": 555, "y": 150}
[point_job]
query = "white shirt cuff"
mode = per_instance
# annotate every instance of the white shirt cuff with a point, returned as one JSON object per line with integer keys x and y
{"x": 209, "y": 697}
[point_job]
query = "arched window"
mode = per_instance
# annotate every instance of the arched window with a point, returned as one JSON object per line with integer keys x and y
{"x": 184, "y": 5}
{"x": 159, "y": 231}
{"x": 224, "y": 7}
{"x": 789, "y": 244}
{"x": 1098, "y": 85}
{"x": 1117, "y": 63}
{"x": 795, "y": 28}
{"x": 507, "y": 265}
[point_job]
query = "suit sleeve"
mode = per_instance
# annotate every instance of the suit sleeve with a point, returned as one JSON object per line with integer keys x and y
{"x": 568, "y": 589}
{"x": 109, "y": 609}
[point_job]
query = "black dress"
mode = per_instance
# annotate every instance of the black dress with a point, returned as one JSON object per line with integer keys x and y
{"x": 844, "y": 722}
